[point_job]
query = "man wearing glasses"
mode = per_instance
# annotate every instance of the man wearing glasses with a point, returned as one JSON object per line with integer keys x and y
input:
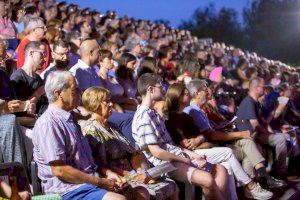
{"x": 60, "y": 57}
{"x": 27, "y": 83}
{"x": 36, "y": 31}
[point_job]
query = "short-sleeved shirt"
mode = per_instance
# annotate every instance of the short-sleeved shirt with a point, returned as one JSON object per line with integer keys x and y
{"x": 85, "y": 75}
{"x": 148, "y": 128}
{"x": 25, "y": 85}
{"x": 200, "y": 118}
{"x": 181, "y": 126}
{"x": 56, "y": 136}
{"x": 248, "y": 109}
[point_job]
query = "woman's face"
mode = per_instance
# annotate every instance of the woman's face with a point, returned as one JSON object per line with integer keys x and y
{"x": 106, "y": 108}
{"x": 186, "y": 98}
{"x": 107, "y": 63}
{"x": 131, "y": 64}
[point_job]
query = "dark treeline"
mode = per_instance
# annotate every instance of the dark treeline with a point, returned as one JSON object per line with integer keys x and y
{"x": 270, "y": 27}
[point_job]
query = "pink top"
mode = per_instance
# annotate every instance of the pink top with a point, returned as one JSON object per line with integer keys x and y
{"x": 7, "y": 28}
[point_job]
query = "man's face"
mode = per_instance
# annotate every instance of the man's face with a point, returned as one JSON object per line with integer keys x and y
{"x": 260, "y": 88}
{"x": 71, "y": 96}
{"x": 61, "y": 57}
{"x": 40, "y": 30}
{"x": 86, "y": 28}
{"x": 202, "y": 96}
{"x": 156, "y": 92}
{"x": 38, "y": 58}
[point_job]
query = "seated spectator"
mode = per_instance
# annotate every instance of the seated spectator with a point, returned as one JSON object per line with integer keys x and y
{"x": 186, "y": 134}
{"x": 7, "y": 27}
{"x": 36, "y": 31}
{"x": 250, "y": 118}
{"x": 27, "y": 83}
{"x": 18, "y": 14}
{"x": 52, "y": 35}
{"x": 64, "y": 158}
{"x": 112, "y": 149}
{"x": 12, "y": 144}
{"x": 83, "y": 71}
{"x": 125, "y": 73}
{"x": 60, "y": 57}
{"x": 151, "y": 136}
{"x": 245, "y": 149}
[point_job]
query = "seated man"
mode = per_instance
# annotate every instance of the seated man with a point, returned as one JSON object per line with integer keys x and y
{"x": 250, "y": 118}
{"x": 245, "y": 149}
{"x": 27, "y": 83}
{"x": 151, "y": 136}
{"x": 64, "y": 158}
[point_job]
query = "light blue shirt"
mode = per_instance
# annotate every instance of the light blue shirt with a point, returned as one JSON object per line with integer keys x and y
{"x": 85, "y": 75}
{"x": 200, "y": 118}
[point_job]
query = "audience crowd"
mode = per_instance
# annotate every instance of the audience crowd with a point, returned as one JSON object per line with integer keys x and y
{"x": 121, "y": 108}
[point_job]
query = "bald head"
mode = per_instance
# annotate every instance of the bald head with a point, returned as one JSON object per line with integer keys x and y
{"x": 87, "y": 46}
{"x": 89, "y": 51}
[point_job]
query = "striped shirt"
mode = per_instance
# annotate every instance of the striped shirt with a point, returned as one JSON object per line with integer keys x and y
{"x": 56, "y": 136}
{"x": 148, "y": 128}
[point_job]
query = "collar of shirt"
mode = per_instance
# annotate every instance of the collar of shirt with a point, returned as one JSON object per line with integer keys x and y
{"x": 60, "y": 113}
{"x": 83, "y": 65}
{"x": 194, "y": 106}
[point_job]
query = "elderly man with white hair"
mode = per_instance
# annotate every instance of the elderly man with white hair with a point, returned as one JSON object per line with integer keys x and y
{"x": 64, "y": 158}
{"x": 35, "y": 29}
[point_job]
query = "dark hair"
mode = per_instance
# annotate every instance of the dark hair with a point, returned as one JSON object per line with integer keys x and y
{"x": 123, "y": 72}
{"x": 15, "y": 10}
{"x": 148, "y": 65}
{"x": 173, "y": 95}
{"x": 30, "y": 10}
{"x": 242, "y": 61}
{"x": 163, "y": 51}
{"x": 146, "y": 80}
{"x": 60, "y": 43}
{"x": 104, "y": 53}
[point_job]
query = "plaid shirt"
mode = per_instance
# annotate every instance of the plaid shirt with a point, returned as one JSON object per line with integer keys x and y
{"x": 57, "y": 137}
{"x": 148, "y": 128}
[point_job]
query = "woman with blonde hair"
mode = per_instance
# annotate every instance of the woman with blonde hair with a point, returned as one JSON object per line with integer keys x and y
{"x": 112, "y": 149}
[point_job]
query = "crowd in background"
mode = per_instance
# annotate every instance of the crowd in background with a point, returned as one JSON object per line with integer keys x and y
{"x": 92, "y": 98}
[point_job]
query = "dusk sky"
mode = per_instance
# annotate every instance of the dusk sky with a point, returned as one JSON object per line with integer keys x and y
{"x": 173, "y": 10}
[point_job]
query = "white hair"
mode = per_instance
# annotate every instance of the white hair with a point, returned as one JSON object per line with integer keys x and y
{"x": 57, "y": 80}
{"x": 195, "y": 86}
{"x": 33, "y": 23}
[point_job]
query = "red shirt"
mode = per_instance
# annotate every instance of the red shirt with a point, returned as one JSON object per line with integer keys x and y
{"x": 21, "y": 56}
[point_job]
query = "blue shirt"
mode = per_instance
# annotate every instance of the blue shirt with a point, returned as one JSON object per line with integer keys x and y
{"x": 200, "y": 118}
{"x": 85, "y": 75}
{"x": 56, "y": 136}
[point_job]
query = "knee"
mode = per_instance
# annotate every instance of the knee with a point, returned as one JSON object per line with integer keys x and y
{"x": 140, "y": 193}
{"x": 220, "y": 169}
{"x": 120, "y": 197}
{"x": 209, "y": 182}
{"x": 227, "y": 151}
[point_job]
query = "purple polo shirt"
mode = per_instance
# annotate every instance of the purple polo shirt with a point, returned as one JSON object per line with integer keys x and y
{"x": 56, "y": 136}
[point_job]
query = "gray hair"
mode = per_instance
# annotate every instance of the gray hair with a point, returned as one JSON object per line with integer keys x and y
{"x": 195, "y": 86}
{"x": 57, "y": 80}
{"x": 32, "y": 23}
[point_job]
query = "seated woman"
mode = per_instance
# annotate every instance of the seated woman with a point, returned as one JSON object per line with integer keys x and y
{"x": 186, "y": 134}
{"x": 110, "y": 83}
{"x": 111, "y": 148}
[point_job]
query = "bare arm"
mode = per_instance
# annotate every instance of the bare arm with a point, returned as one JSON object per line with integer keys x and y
{"x": 256, "y": 126}
{"x": 69, "y": 174}
{"x": 162, "y": 154}
{"x": 227, "y": 136}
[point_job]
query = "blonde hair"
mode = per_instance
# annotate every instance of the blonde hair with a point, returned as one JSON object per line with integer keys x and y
{"x": 93, "y": 97}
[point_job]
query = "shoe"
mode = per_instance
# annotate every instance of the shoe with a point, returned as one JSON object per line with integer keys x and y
{"x": 257, "y": 192}
{"x": 271, "y": 182}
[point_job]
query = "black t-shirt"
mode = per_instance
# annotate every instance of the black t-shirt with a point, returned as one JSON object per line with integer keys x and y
{"x": 248, "y": 109}
{"x": 181, "y": 126}
{"x": 24, "y": 84}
